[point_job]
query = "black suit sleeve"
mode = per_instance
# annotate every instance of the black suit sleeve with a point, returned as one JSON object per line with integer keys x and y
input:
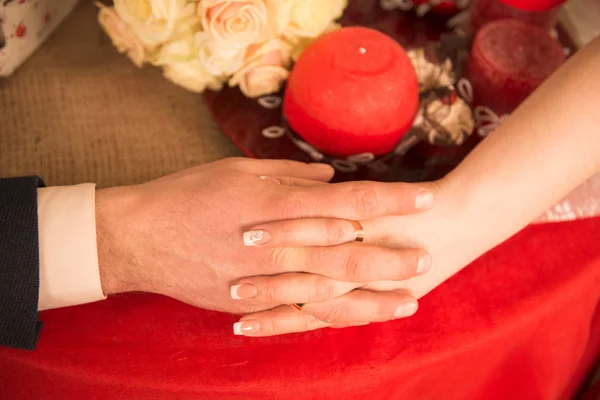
{"x": 19, "y": 262}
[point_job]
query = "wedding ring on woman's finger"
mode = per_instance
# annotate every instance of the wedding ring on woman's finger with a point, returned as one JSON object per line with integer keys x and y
{"x": 306, "y": 232}
{"x": 359, "y": 231}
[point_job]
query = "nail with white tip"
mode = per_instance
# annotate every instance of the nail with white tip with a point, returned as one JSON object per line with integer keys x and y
{"x": 247, "y": 327}
{"x": 244, "y": 291}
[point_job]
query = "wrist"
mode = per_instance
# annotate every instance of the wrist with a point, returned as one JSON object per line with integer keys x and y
{"x": 115, "y": 261}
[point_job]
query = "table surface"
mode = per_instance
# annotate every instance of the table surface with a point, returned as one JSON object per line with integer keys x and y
{"x": 78, "y": 111}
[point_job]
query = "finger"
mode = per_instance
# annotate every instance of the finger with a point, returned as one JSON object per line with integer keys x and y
{"x": 356, "y": 200}
{"x": 295, "y": 169}
{"x": 354, "y": 262}
{"x": 290, "y": 288}
{"x": 289, "y": 181}
{"x": 362, "y": 306}
{"x": 356, "y": 308}
{"x": 277, "y": 321}
{"x": 301, "y": 233}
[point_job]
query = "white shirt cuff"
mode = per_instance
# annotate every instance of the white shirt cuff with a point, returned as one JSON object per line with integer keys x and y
{"x": 69, "y": 272}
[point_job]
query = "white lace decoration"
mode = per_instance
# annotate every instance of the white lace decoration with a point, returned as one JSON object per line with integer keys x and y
{"x": 390, "y": 5}
{"x": 363, "y": 158}
{"x": 487, "y": 121}
{"x": 273, "y": 132}
{"x": 583, "y": 202}
{"x": 270, "y": 102}
{"x": 465, "y": 90}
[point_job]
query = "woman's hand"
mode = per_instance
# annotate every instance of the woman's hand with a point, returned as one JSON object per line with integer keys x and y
{"x": 333, "y": 303}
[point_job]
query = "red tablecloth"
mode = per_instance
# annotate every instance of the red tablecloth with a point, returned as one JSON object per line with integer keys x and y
{"x": 522, "y": 322}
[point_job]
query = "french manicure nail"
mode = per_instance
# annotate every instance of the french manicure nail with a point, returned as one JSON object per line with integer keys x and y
{"x": 360, "y": 324}
{"x": 270, "y": 179}
{"x": 424, "y": 200}
{"x": 245, "y": 291}
{"x": 256, "y": 238}
{"x": 406, "y": 309}
{"x": 246, "y": 327}
{"x": 424, "y": 264}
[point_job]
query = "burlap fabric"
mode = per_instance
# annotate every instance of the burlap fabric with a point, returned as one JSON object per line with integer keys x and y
{"x": 78, "y": 111}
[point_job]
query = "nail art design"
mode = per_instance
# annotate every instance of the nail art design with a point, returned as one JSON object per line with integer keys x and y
{"x": 255, "y": 238}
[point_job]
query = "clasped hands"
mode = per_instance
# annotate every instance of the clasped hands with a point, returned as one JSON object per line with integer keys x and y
{"x": 183, "y": 236}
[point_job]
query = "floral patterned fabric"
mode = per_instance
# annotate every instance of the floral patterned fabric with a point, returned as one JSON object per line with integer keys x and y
{"x": 25, "y": 24}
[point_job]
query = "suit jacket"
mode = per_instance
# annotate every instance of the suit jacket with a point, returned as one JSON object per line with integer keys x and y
{"x": 19, "y": 262}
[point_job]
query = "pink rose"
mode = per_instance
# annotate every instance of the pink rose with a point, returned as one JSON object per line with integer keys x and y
{"x": 265, "y": 68}
{"x": 235, "y": 24}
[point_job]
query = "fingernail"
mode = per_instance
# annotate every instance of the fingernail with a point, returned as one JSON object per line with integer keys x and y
{"x": 246, "y": 327}
{"x": 244, "y": 291}
{"x": 406, "y": 309}
{"x": 424, "y": 200}
{"x": 268, "y": 178}
{"x": 256, "y": 238}
{"x": 321, "y": 166}
{"x": 360, "y": 324}
{"x": 424, "y": 264}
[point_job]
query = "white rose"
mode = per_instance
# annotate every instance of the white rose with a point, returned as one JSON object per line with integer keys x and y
{"x": 175, "y": 13}
{"x": 177, "y": 50}
{"x": 192, "y": 76}
{"x": 156, "y": 21}
{"x": 121, "y": 35}
{"x": 265, "y": 68}
{"x": 310, "y": 18}
{"x": 213, "y": 60}
{"x": 236, "y": 24}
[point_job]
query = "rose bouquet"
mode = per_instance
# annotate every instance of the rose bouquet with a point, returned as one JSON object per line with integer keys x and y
{"x": 204, "y": 44}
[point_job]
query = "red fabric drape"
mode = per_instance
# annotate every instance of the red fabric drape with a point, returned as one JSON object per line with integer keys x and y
{"x": 522, "y": 322}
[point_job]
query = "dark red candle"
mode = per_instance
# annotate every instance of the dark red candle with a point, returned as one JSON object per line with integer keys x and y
{"x": 352, "y": 91}
{"x": 537, "y": 12}
{"x": 508, "y": 61}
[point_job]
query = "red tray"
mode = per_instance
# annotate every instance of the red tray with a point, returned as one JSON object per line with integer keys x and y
{"x": 243, "y": 120}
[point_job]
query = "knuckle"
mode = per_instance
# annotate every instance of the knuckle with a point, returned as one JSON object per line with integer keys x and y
{"x": 280, "y": 256}
{"x": 290, "y": 207}
{"x": 322, "y": 290}
{"x": 271, "y": 292}
{"x": 363, "y": 198}
{"x": 334, "y": 232}
{"x": 270, "y": 327}
{"x": 337, "y": 314}
{"x": 354, "y": 268}
{"x": 311, "y": 323}
{"x": 287, "y": 232}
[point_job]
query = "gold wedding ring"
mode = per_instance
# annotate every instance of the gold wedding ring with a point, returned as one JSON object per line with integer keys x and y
{"x": 359, "y": 231}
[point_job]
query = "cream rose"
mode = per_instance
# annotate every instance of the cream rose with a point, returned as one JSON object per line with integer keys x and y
{"x": 310, "y": 18}
{"x": 192, "y": 76}
{"x": 265, "y": 68}
{"x": 177, "y": 50}
{"x": 121, "y": 35}
{"x": 212, "y": 59}
{"x": 236, "y": 24}
{"x": 156, "y": 21}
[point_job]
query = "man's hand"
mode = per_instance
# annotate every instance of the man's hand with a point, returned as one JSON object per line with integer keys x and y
{"x": 181, "y": 235}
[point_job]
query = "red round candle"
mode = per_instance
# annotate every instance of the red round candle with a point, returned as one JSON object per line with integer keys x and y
{"x": 352, "y": 91}
{"x": 538, "y": 12}
{"x": 509, "y": 60}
